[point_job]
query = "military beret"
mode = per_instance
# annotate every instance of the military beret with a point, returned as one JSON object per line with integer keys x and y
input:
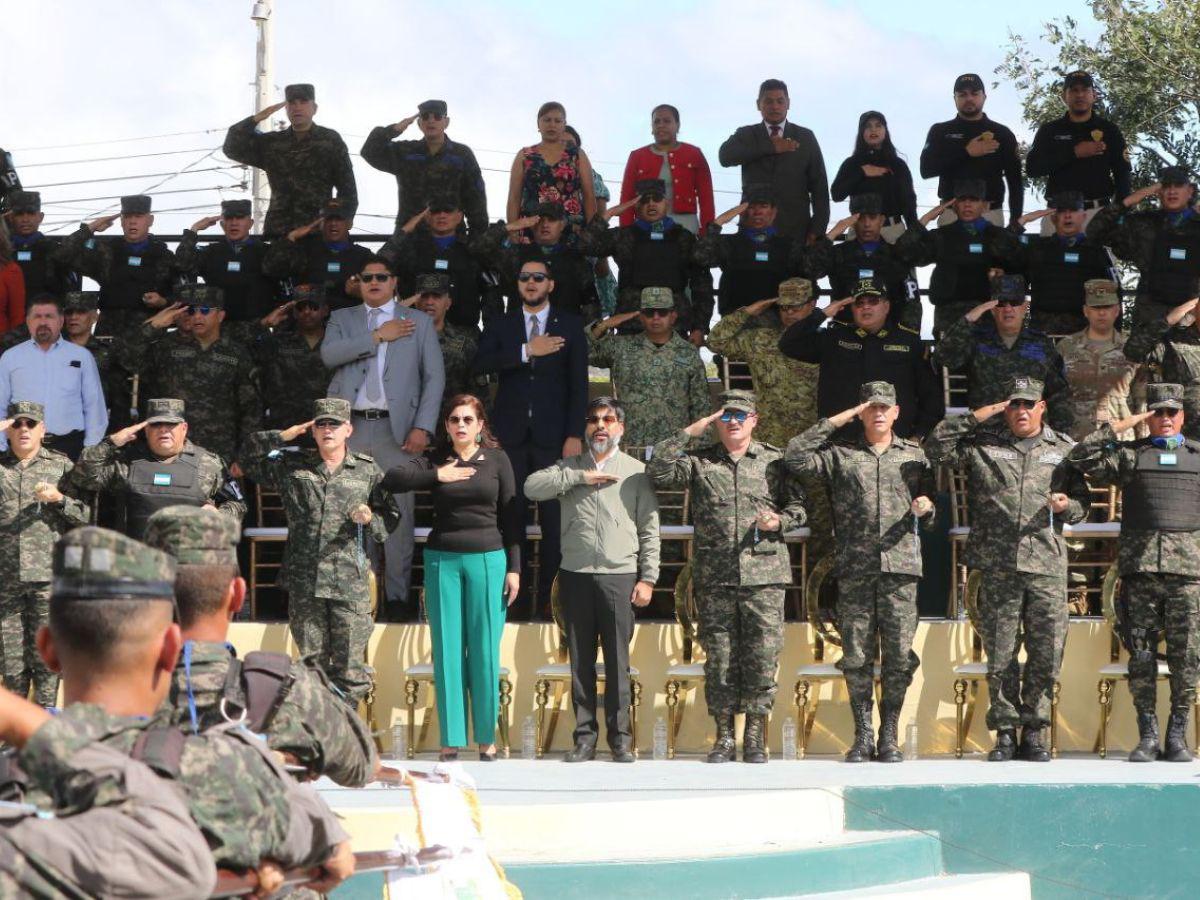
{"x": 336, "y": 208}
{"x": 1078, "y": 77}
{"x": 237, "y": 209}
{"x": 795, "y": 292}
{"x": 433, "y": 283}
{"x": 1008, "y": 288}
{"x": 99, "y": 564}
{"x": 1164, "y": 395}
{"x": 648, "y": 187}
{"x": 331, "y": 408}
{"x": 1174, "y": 175}
{"x": 26, "y": 409}
{"x": 299, "y": 92}
{"x": 867, "y": 287}
{"x": 550, "y": 209}
{"x": 80, "y": 301}
{"x": 866, "y": 205}
{"x": 877, "y": 393}
{"x": 743, "y": 400}
{"x": 968, "y": 82}
{"x": 1101, "y": 292}
{"x": 1066, "y": 200}
{"x": 758, "y": 193}
{"x": 1025, "y": 388}
{"x": 444, "y": 203}
{"x": 436, "y": 107}
{"x": 200, "y": 295}
{"x": 657, "y": 298}
{"x": 135, "y": 204}
{"x": 972, "y": 188}
{"x": 194, "y": 535}
{"x": 26, "y": 201}
{"x": 164, "y": 409}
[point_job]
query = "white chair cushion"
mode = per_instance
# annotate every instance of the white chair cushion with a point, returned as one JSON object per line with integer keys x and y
{"x": 420, "y": 670}
{"x": 976, "y": 669}
{"x": 824, "y": 670}
{"x": 686, "y": 670}
{"x": 1121, "y": 670}
{"x": 563, "y": 670}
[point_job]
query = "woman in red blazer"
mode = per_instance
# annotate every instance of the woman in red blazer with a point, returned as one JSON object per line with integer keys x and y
{"x": 12, "y": 287}
{"x": 689, "y": 181}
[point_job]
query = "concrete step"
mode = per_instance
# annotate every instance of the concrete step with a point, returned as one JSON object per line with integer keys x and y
{"x": 983, "y": 886}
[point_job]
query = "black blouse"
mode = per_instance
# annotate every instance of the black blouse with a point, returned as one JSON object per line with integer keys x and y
{"x": 896, "y": 189}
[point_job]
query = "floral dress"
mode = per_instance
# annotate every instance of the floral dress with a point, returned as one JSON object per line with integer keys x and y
{"x": 545, "y": 183}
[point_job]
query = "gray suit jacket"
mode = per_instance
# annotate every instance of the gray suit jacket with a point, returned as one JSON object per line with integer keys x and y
{"x": 413, "y": 377}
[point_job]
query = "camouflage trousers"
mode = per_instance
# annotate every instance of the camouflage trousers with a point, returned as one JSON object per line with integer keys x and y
{"x": 24, "y": 608}
{"x": 741, "y": 630}
{"x": 1169, "y": 606}
{"x": 335, "y": 631}
{"x": 879, "y": 611}
{"x": 1016, "y": 608}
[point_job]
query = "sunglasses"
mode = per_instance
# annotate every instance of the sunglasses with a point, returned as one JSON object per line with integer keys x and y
{"x": 368, "y": 277}
{"x": 1021, "y": 404}
{"x": 461, "y": 420}
{"x": 734, "y": 415}
{"x": 197, "y": 310}
{"x": 653, "y": 198}
{"x": 539, "y": 277}
{"x": 24, "y": 423}
{"x": 657, "y": 313}
{"x": 1165, "y": 412}
{"x": 609, "y": 419}
{"x": 1000, "y": 303}
{"x": 326, "y": 423}
{"x": 311, "y": 305}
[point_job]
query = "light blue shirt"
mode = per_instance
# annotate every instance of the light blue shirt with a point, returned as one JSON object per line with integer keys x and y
{"x": 64, "y": 379}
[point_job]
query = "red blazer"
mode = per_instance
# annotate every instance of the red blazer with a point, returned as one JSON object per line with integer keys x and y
{"x": 12, "y": 296}
{"x": 691, "y": 179}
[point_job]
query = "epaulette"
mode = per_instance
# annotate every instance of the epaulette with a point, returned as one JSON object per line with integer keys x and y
{"x": 366, "y": 457}
{"x": 900, "y": 327}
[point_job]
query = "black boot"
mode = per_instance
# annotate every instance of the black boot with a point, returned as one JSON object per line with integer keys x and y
{"x": 1032, "y": 748}
{"x": 863, "y": 747}
{"x": 754, "y": 739}
{"x": 1175, "y": 749}
{"x": 1006, "y": 745}
{"x": 1147, "y": 748}
{"x": 888, "y": 748}
{"x": 724, "y": 748}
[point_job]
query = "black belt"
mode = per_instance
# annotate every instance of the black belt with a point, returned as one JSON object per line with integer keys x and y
{"x": 370, "y": 414}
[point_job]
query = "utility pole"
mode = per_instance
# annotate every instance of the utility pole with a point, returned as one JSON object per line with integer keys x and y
{"x": 264, "y": 95}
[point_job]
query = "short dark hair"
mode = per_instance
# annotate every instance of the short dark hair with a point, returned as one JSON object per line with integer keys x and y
{"x": 570, "y": 129}
{"x": 772, "y": 84}
{"x": 545, "y": 264}
{"x": 376, "y": 260}
{"x": 608, "y": 403}
{"x": 200, "y": 590}
{"x": 550, "y": 106}
{"x": 669, "y": 108}
{"x": 99, "y": 630}
{"x": 45, "y": 299}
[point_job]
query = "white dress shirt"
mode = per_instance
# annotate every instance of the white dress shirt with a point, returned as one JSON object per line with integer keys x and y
{"x": 542, "y": 317}
{"x": 384, "y": 313}
{"x": 782, "y": 126}
{"x": 64, "y": 379}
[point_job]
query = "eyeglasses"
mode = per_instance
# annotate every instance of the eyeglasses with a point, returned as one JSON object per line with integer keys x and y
{"x": 24, "y": 423}
{"x": 657, "y": 313}
{"x": 461, "y": 420}
{"x": 327, "y": 423}
{"x": 734, "y": 415}
{"x": 197, "y": 310}
{"x": 608, "y": 419}
{"x": 868, "y": 300}
{"x": 1010, "y": 302}
{"x": 368, "y": 277}
{"x": 1021, "y": 403}
{"x": 539, "y": 277}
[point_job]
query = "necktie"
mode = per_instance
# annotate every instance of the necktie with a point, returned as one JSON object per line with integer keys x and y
{"x": 534, "y": 330}
{"x": 374, "y": 387}
{"x": 775, "y": 131}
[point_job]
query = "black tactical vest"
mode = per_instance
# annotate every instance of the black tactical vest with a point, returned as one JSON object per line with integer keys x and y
{"x": 1175, "y": 265}
{"x": 753, "y": 271}
{"x": 1164, "y": 494}
{"x": 154, "y": 485}
{"x": 1057, "y": 273}
{"x": 249, "y": 294}
{"x": 656, "y": 262}
{"x": 131, "y": 275}
{"x": 960, "y": 274}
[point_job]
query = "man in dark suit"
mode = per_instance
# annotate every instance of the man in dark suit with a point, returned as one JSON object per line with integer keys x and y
{"x": 786, "y": 158}
{"x": 540, "y": 355}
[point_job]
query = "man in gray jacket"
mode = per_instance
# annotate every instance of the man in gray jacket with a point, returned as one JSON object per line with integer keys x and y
{"x": 610, "y": 548}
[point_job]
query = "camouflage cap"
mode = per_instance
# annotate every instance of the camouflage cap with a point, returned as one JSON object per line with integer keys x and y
{"x": 795, "y": 292}
{"x": 867, "y": 287}
{"x": 1024, "y": 388}
{"x": 657, "y": 298}
{"x": 194, "y": 535}
{"x": 433, "y": 283}
{"x": 80, "y": 301}
{"x": 236, "y": 209}
{"x": 743, "y": 400}
{"x": 437, "y": 107}
{"x": 1164, "y": 395}
{"x": 312, "y": 293}
{"x": 1008, "y": 288}
{"x": 135, "y": 204}
{"x": 1101, "y": 292}
{"x": 650, "y": 186}
{"x": 99, "y": 564}
{"x": 336, "y": 208}
{"x": 200, "y": 295}
{"x": 331, "y": 408}
{"x": 866, "y": 205}
{"x": 972, "y": 188}
{"x": 26, "y": 202}
{"x": 1067, "y": 200}
{"x": 877, "y": 393}
{"x": 26, "y": 409}
{"x": 164, "y": 410}
{"x": 299, "y": 92}
{"x": 550, "y": 209}
{"x": 1174, "y": 175}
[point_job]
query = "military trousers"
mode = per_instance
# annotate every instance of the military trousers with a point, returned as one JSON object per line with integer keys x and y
{"x": 878, "y": 611}
{"x": 374, "y": 437}
{"x": 741, "y": 630}
{"x": 335, "y": 632}
{"x": 1160, "y": 605}
{"x": 24, "y": 608}
{"x": 1016, "y": 608}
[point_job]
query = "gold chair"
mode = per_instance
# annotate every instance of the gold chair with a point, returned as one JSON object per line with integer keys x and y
{"x": 558, "y": 674}
{"x": 960, "y": 530}
{"x": 682, "y": 676}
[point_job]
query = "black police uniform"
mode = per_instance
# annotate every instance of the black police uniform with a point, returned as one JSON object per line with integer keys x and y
{"x": 1098, "y": 178}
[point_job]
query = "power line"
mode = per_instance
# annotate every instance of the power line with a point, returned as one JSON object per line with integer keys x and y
{"x": 96, "y": 159}
{"x": 130, "y": 177}
{"x": 128, "y": 140}
{"x": 216, "y": 187}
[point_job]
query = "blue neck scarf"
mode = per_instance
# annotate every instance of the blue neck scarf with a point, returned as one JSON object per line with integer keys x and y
{"x": 337, "y": 246}
{"x": 1172, "y": 442}
{"x": 20, "y": 242}
{"x": 1178, "y": 218}
{"x": 1070, "y": 241}
{"x": 870, "y": 246}
{"x": 760, "y": 235}
{"x": 662, "y": 225}
{"x": 445, "y": 243}
{"x": 976, "y": 225}
{"x": 244, "y": 242}
{"x": 138, "y": 246}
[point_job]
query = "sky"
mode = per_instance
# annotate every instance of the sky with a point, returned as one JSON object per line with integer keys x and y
{"x": 117, "y": 98}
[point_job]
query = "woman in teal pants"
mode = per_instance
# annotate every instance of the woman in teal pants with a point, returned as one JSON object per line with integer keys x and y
{"x": 472, "y": 566}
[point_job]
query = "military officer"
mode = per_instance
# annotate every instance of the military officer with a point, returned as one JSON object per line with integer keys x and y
{"x": 435, "y": 299}
{"x": 305, "y": 163}
{"x": 321, "y": 253}
{"x": 743, "y": 501}
{"x": 289, "y": 364}
{"x": 1022, "y": 493}
{"x": 659, "y": 376}
{"x": 34, "y": 252}
{"x": 333, "y": 500}
{"x": 167, "y": 469}
{"x": 884, "y": 487}
{"x": 38, "y": 505}
{"x": 79, "y": 322}
{"x": 1170, "y": 345}
{"x": 1158, "y": 558}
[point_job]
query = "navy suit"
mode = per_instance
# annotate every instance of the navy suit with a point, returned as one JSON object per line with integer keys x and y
{"x": 538, "y": 405}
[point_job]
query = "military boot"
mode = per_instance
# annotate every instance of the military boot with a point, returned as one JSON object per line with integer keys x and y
{"x": 724, "y": 748}
{"x": 1147, "y": 748}
{"x": 1006, "y": 745}
{"x": 888, "y": 747}
{"x": 1175, "y": 749}
{"x": 754, "y": 739}
{"x": 864, "y": 746}
{"x": 1032, "y": 748}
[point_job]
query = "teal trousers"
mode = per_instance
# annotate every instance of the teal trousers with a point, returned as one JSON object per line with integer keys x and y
{"x": 464, "y": 600}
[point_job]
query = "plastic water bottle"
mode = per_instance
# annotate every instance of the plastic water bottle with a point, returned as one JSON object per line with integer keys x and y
{"x": 528, "y": 739}
{"x": 911, "y": 742}
{"x": 789, "y": 738}
{"x": 660, "y": 738}
{"x": 399, "y": 740}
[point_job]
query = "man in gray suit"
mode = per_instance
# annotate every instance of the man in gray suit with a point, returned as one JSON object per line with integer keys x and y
{"x": 388, "y": 364}
{"x": 785, "y": 157}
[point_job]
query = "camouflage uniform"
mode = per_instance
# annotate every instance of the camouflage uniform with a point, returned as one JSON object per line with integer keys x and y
{"x": 325, "y": 568}
{"x": 291, "y": 374}
{"x": 458, "y": 352}
{"x": 28, "y": 529}
{"x": 1104, "y": 384}
{"x": 1173, "y": 355}
{"x": 1016, "y": 542}
{"x": 739, "y": 572}
{"x": 114, "y": 381}
{"x": 311, "y": 721}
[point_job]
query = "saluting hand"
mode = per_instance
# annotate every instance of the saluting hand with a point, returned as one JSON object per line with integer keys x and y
{"x": 269, "y": 111}
{"x": 836, "y": 306}
{"x": 1150, "y": 190}
{"x": 361, "y": 514}
{"x": 985, "y": 307}
{"x": 304, "y": 230}
{"x": 1176, "y": 315}
{"x": 277, "y": 316}
{"x": 730, "y": 214}
{"x": 621, "y": 207}
{"x": 847, "y": 415}
{"x": 154, "y": 299}
{"x": 6, "y": 424}
{"x": 165, "y": 318}
{"x": 522, "y": 223}
{"x": 1034, "y": 216}
{"x": 290, "y": 434}
{"x": 758, "y": 307}
{"x": 411, "y": 225}
{"x": 986, "y": 412}
{"x": 937, "y": 211}
{"x": 125, "y": 435}
{"x": 1131, "y": 421}
{"x": 403, "y": 124}
{"x": 840, "y": 227}
{"x": 103, "y": 223}
{"x": 698, "y": 427}
{"x": 206, "y": 222}
{"x": 613, "y": 322}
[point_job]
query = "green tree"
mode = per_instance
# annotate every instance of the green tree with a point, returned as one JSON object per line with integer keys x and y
{"x": 1146, "y": 63}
